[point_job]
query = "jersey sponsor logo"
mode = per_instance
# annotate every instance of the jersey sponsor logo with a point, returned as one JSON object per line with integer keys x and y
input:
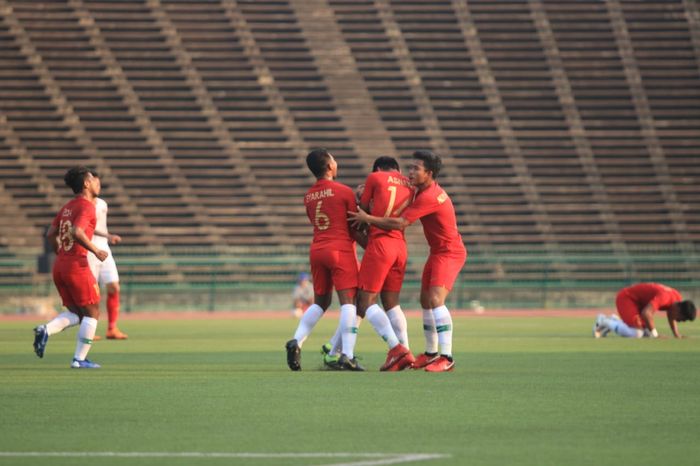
{"x": 318, "y": 195}
{"x": 442, "y": 197}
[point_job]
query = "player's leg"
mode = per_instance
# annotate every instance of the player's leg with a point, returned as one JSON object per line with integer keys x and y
{"x": 61, "y": 321}
{"x": 323, "y": 288}
{"x": 86, "y": 295}
{"x": 348, "y": 325}
{"x": 86, "y": 335}
{"x": 110, "y": 276}
{"x": 390, "y": 295}
{"x": 444, "y": 272}
{"x": 630, "y": 324}
{"x": 429, "y": 331}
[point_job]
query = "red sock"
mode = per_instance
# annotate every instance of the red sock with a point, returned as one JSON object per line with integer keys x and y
{"x": 112, "y": 309}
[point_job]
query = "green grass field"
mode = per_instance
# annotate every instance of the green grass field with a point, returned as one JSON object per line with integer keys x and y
{"x": 526, "y": 391}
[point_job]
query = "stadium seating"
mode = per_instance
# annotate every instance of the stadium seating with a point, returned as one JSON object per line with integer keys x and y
{"x": 564, "y": 125}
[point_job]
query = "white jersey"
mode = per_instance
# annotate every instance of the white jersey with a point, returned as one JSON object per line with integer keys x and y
{"x": 104, "y": 272}
{"x": 101, "y": 214}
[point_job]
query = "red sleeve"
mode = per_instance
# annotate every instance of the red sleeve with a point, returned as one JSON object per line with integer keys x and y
{"x": 422, "y": 206}
{"x": 370, "y": 184}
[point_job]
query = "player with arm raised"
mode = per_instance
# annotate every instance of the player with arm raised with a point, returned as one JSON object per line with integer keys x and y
{"x": 70, "y": 235}
{"x": 105, "y": 272}
{"x": 434, "y": 208}
{"x": 333, "y": 259}
{"x": 636, "y": 306}
{"x": 386, "y": 193}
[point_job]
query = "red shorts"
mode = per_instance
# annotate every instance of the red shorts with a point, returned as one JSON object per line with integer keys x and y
{"x": 628, "y": 310}
{"x": 383, "y": 265}
{"x": 442, "y": 269}
{"x": 75, "y": 282}
{"x": 333, "y": 269}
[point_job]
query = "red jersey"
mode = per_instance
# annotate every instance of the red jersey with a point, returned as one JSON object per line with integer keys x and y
{"x": 437, "y": 214}
{"x": 327, "y": 203}
{"x": 661, "y": 297}
{"x": 388, "y": 193}
{"x": 78, "y": 212}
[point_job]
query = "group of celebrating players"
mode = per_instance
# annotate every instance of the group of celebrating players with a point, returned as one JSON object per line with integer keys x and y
{"x": 388, "y": 203}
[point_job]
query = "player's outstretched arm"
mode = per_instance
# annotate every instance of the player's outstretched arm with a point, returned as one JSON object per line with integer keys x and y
{"x": 385, "y": 223}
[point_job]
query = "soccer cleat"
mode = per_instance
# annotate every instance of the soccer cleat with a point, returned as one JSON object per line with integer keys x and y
{"x": 116, "y": 334}
{"x": 394, "y": 355}
{"x": 41, "y": 337}
{"x": 600, "y": 328}
{"x": 404, "y": 363}
{"x": 441, "y": 364}
{"x": 330, "y": 362}
{"x": 423, "y": 360}
{"x": 84, "y": 364}
{"x": 326, "y": 348}
{"x": 293, "y": 355}
{"x": 347, "y": 364}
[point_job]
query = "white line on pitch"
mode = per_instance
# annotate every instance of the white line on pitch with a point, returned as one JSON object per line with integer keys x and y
{"x": 370, "y": 459}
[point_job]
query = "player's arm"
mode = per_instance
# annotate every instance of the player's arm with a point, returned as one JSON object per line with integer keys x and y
{"x": 52, "y": 236}
{"x": 113, "y": 239}
{"x": 385, "y": 223}
{"x": 84, "y": 241}
{"x": 673, "y": 324}
{"x": 647, "y": 315}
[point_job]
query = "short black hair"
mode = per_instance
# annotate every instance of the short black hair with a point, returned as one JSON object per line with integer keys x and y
{"x": 317, "y": 160}
{"x": 385, "y": 162}
{"x": 687, "y": 309}
{"x": 75, "y": 177}
{"x": 431, "y": 161}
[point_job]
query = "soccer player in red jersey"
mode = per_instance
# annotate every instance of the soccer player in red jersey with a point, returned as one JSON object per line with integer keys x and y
{"x": 386, "y": 193}
{"x": 70, "y": 235}
{"x": 434, "y": 208}
{"x": 333, "y": 259}
{"x": 636, "y": 306}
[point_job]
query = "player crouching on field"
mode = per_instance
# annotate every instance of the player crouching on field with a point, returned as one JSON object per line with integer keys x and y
{"x": 636, "y": 306}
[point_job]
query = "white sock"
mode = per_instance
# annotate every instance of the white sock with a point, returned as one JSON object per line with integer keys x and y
{"x": 61, "y": 322}
{"x": 348, "y": 315}
{"x": 431, "y": 337}
{"x": 337, "y": 340}
{"x": 307, "y": 323}
{"x": 623, "y": 329}
{"x": 443, "y": 326}
{"x": 85, "y": 335}
{"x": 377, "y": 317}
{"x": 399, "y": 324}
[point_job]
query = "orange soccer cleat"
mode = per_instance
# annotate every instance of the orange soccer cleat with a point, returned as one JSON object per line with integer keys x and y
{"x": 116, "y": 334}
{"x": 423, "y": 360}
{"x": 394, "y": 356}
{"x": 404, "y": 363}
{"x": 441, "y": 364}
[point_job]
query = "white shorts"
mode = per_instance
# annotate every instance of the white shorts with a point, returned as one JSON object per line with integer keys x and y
{"x": 104, "y": 272}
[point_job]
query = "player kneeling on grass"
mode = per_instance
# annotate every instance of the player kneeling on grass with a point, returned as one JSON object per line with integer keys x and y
{"x": 636, "y": 306}
{"x": 70, "y": 235}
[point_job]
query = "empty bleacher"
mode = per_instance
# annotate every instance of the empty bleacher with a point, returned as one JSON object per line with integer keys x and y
{"x": 564, "y": 125}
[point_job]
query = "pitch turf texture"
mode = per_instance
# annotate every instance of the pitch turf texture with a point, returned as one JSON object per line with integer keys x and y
{"x": 526, "y": 390}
